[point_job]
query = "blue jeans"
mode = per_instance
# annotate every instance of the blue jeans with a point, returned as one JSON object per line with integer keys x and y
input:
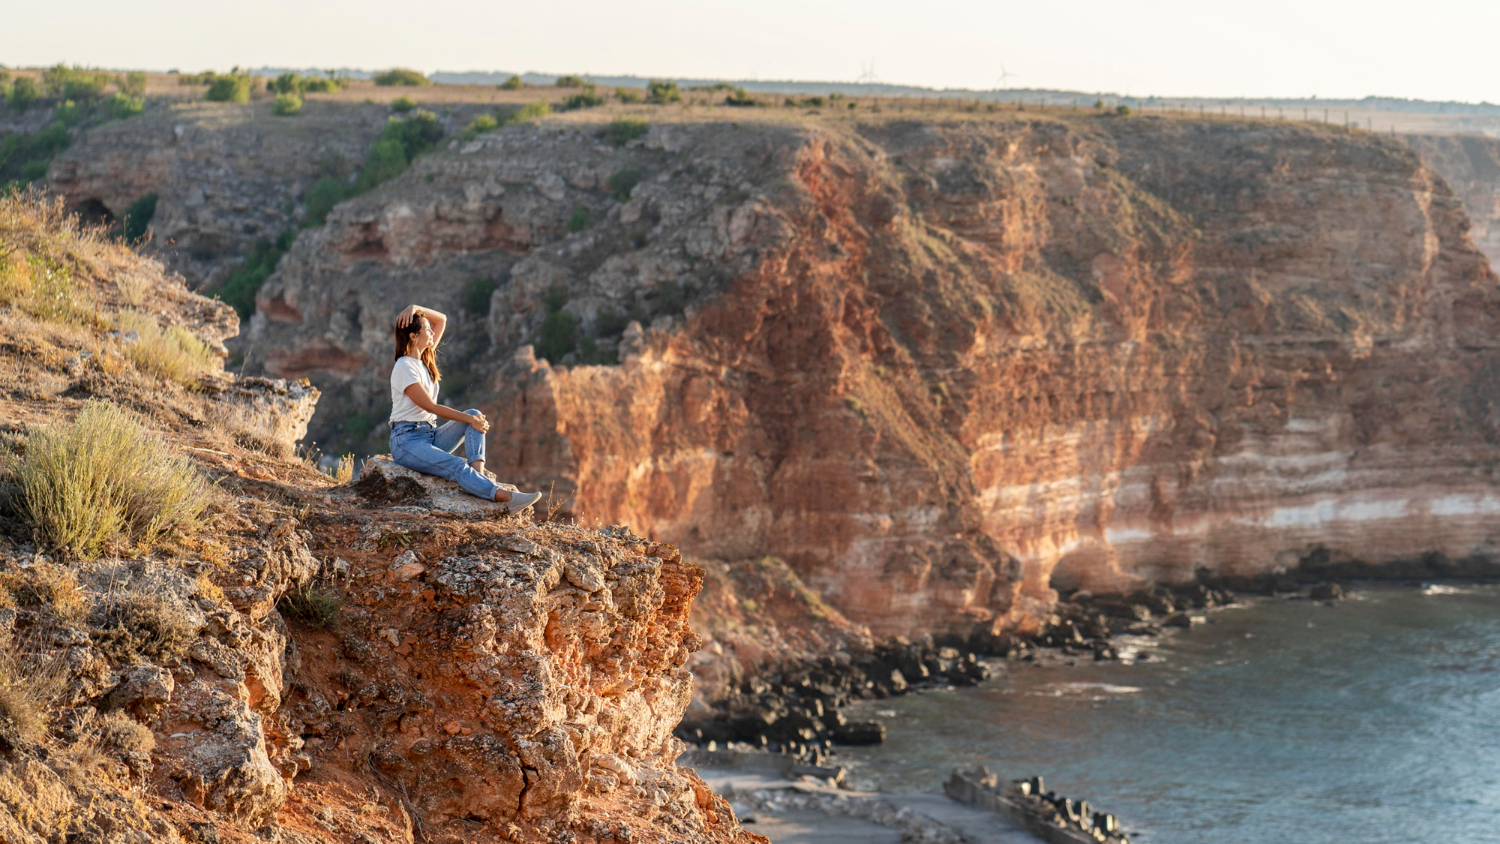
{"x": 428, "y": 448}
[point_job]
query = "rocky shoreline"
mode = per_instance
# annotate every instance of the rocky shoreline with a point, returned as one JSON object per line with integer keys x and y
{"x": 796, "y": 708}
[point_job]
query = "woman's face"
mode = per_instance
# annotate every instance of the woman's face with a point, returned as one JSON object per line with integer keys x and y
{"x": 422, "y": 339}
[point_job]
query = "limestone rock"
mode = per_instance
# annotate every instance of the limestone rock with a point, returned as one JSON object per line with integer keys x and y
{"x": 382, "y": 479}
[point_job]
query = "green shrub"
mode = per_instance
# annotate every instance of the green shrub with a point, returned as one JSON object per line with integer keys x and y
{"x": 286, "y": 83}
{"x": 25, "y": 158}
{"x": 627, "y": 95}
{"x": 312, "y": 606}
{"x": 583, "y": 99}
{"x": 1122, "y": 109}
{"x": 626, "y": 129}
{"x": 580, "y": 219}
{"x": 740, "y": 98}
{"x": 514, "y": 83}
{"x": 240, "y": 288}
{"x": 104, "y": 479}
{"x": 559, "y": 336}
{"x": 610, "y": 322}
{"x": 623, "y": 182}
{"x": 477, "y": 295}
{"x": 661, "y": 91}
{"x": 207, "y": 77}
{"x": 286, "y": 105}
{"x": 69, "y": 113}
{"x": 320, "y": 199}
{"x": 138, "y": 218}
{"x": 573, "y": 82}
{"x": 132, "y": 83}
{"x": 321, "y": 85}
{"x": 122, "y": 106}
{"x": 75, "y": 83}
{"x": 479, "y": 125}
{"x": 402, "y": 140}
{"x": 234, "y": 88}
{"x": 24, "y": 93}
{"x": 530, "y": 111}
{"x": 403, "y": 104}
{"x": 401, "y": 77}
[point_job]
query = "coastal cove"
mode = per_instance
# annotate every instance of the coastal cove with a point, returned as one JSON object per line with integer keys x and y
{"x": 1369, "y": 720}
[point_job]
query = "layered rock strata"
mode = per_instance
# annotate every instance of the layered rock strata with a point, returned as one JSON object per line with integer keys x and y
{"x": 942, "y": 368}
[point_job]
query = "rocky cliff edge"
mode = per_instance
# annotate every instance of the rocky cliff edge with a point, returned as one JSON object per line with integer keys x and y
{"x": 315, "y": 661}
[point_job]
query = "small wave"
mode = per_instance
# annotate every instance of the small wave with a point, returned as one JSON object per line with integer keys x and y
{"x": 1060, "y": 689}
{"x": 1444, "y": 589}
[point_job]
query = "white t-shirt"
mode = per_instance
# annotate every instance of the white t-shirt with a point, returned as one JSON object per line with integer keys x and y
{"x": 408, "y": 371}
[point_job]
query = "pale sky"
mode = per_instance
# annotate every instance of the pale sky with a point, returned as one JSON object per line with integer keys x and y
{"x": 1440, "y": 50}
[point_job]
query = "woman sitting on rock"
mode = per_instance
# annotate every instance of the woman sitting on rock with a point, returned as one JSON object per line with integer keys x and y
{"x": 417, "y": 441}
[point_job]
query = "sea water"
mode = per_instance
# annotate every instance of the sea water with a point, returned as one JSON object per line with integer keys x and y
{"x": 1376, "y": 719}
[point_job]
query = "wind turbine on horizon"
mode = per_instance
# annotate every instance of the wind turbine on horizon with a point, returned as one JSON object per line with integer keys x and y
{"x": 867, "y": 74}
{"x": 1004, "y": 76}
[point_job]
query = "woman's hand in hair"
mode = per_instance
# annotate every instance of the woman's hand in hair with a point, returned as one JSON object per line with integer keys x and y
{"x": 478, "y": 422}
{"x": 407, "y": 316}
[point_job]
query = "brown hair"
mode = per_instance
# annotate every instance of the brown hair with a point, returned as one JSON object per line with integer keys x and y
{"x": 429, "y": 354}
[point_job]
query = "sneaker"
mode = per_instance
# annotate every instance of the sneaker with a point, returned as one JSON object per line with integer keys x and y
{"x": 520, "y": 501}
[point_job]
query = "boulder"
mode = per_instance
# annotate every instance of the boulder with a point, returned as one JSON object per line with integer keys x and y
{"x": 383, "y": 481}
{"x": 860, "y": 732}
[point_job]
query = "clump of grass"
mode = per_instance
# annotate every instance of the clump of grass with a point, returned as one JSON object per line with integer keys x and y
{"x": 105, "y": 480}
{"x": 30, "y": 686}
{"x": 45, "y": 586}
{"x": 173, "y": 352}
{"x": 125, "y": 736}
{"x": 136, "y": 623}
{"x": 44, "y": 289}
{"x": 626, "y": 129}
{"x": 343, "y": 473}
{"x": 312, "y": 606}
{"x": 623, "y": 182}
{"x": 286, "y": 105}
{"x": 579, "y": 220}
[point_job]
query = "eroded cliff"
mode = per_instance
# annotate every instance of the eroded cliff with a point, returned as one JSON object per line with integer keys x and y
{"x": 943, "y": 367}
{"x": 294, "y": 659}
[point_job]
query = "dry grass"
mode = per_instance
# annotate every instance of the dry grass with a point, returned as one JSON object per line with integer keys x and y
{"x": 120, "y": 734}
{"x": 104, "y": 481}
{"x": 44, "y": 585}
{"x": 253, "y": 428}
{"x": 143, "y": 622}
{"x": 30, "y": 687}
{"x": 173, "y": 353}
{"x": 344, "y": 472}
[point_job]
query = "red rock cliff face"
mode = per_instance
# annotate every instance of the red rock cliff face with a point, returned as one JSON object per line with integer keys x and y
{"x": 943, "y": 368}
